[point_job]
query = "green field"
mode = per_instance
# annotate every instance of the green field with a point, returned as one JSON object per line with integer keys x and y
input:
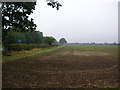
{"x": 111, "y": 49}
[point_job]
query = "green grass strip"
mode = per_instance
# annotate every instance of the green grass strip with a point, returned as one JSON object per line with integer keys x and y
{"x": 15, "y": 57}
{"x": 45, "y": 50}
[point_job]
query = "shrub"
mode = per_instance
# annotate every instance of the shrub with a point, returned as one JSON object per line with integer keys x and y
{"x": 20, "y": 47}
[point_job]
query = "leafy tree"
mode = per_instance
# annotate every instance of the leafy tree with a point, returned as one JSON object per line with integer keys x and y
{"x": 28, "y": 38}
{"x": 54, "y": 4}
{"x": 13, "y": 37}
{"x": 48, "y": 40}
{"x": 55, "y": 42}
{"x": 34, "y": 37}
{"x": 38, "y": 36}
{"x": 15, "y": 17}
{"x": 15, "y": 14}
{"x": 62, "y": 41}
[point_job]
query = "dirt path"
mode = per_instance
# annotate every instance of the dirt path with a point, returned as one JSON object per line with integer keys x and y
{"x": 62, "y": 68}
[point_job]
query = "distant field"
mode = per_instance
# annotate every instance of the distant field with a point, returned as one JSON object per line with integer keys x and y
{"x": 84, "y": 66}
{"x": 111, "y": 49}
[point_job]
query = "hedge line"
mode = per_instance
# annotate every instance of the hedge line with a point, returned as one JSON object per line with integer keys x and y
{"x": 20, "y": 47}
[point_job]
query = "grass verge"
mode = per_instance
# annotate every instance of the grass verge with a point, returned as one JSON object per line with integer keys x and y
{"x": 21, "y": 54}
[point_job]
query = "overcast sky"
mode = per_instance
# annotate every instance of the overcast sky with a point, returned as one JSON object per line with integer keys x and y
{"x": 79, "y": 20}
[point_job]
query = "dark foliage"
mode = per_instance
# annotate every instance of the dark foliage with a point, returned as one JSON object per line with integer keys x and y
{"x": 62, "y": 41}
{"x": 48, "y": 40}
{"x": 15, "y": 14}
{"x": 54, "y": 4}
{"x": 34, "y": 37}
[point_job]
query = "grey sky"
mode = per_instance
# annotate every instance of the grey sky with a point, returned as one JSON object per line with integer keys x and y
{"x": 79, "y": 20}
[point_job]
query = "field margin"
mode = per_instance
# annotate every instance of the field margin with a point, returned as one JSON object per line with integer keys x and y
{"x": 6, "y": 59}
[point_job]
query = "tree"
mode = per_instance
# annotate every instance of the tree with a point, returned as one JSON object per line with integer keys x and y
{"x": 62, "y": 41}
{"x": 28, "y": 38}
{"x": 34, "y": 37}
{"x": 38, "y": 36}
{"x": 55, "y": 42}
{"x": 54, "y": 4}
{"x": 13, "y": 37}
{"x": 48, "y": 40}
{"x": 16, "y": 15}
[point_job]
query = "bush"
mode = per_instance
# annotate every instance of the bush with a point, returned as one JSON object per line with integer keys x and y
{"x": 20, "y": 47}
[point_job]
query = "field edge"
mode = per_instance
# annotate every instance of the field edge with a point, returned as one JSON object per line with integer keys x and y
{"x": 6, "y": 59}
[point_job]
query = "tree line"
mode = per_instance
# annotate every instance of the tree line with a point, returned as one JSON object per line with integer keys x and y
{"x": 34, "y": 37}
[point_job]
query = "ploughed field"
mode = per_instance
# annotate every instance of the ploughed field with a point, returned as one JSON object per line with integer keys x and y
{"x": 84, "y": 66}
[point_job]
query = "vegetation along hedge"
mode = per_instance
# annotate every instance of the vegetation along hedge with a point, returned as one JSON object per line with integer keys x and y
{"x": 20, "y": 47}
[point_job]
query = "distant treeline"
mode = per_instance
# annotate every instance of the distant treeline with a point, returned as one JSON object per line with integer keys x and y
{"x": 92, "y": 43}
{"x": 34, "y": 37}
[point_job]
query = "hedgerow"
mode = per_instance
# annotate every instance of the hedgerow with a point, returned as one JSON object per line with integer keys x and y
{"x": 20, "y": 47}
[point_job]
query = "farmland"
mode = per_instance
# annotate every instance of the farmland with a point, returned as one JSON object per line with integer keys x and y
{"x": 85, "y": 66}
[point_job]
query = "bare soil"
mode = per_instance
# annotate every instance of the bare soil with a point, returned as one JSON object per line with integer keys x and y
{"x": 62, "y": 68}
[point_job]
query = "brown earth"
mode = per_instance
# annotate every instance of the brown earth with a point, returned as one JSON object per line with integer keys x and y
{"x": 62, "y": 68}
